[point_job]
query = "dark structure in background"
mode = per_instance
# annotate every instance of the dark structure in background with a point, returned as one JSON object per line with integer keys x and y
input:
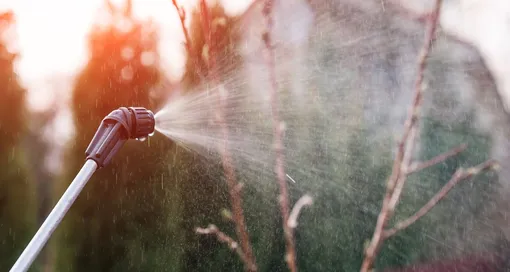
{"x": 17, "y": 191}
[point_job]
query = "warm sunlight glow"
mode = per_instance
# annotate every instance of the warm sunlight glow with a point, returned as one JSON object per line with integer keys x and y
{"x": 52, "y": 39}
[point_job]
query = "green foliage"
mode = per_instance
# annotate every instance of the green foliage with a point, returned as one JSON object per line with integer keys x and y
{"x": 343, "y": 215}
{"x": 17, "y": 195}
{"x": 221, "y": 52}
{"x": 128, "y": 216}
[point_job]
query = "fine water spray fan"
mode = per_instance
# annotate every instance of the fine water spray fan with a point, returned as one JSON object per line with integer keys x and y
{"x": 119, "y": 126}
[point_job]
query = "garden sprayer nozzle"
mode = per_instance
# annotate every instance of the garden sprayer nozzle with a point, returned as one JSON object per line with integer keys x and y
{"x": 119, "y": 126}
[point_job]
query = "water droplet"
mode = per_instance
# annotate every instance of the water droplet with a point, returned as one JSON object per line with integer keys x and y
{"x": 127, "y": 73}
{"x": 127, "y": 53}
{"x": 141, "y": 139}
{"x": 148, "y": 58}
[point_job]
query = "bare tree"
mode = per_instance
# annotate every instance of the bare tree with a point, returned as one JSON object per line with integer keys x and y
{"x": 403, "y": 164}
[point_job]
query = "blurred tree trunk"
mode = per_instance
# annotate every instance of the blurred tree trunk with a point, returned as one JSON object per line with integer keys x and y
{"x": 39, "y": 147}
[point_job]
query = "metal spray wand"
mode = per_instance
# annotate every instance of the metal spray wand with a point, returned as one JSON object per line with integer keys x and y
{"x": 119, "y": 126}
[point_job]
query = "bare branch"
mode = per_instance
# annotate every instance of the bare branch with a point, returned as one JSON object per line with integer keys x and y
{"x": 222, "y": 237}
{"x": 305, "y": 200}
{"x": 418, "y": 166}
{"x": 278, "y": 129}
{"x": 460, "y": 175}
{"x": 228, "y": 167}
{"x": 405, "y": 147}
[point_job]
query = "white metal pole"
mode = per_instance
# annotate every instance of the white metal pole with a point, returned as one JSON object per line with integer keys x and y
{"x": 54, "y": 218}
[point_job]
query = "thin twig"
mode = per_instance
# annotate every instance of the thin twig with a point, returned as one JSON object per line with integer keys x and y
{"x": 187, "y": 40}
{"x": 305, "y": 200}
{"x": 460, "y": 175}
{"x": 278, "y": 130}
{"x": 399, "y": 185}
{"x": 418, "y": 166}
{"x": 405, "y": 147}
{"x": 233, "y": 186}
{"x": 222, "y": 237}
{"x": 182, "y": 18}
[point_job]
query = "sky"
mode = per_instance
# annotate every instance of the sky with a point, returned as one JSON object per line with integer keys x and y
{"x": 51, "y": 39}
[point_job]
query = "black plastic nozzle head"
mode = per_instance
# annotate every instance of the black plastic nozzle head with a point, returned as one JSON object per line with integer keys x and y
{"x": 144, "y": 122}
{"x": 119, "y": 126}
